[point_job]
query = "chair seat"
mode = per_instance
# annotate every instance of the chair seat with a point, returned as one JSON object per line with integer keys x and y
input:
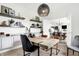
{"x": 74, "y": 48}
{"x": 32, "y": 49}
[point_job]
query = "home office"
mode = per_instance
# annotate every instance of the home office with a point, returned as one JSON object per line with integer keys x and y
{"x": 42, "y": 30}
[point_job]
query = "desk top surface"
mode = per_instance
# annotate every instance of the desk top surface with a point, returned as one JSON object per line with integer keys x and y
{"x": 49, "y": 42}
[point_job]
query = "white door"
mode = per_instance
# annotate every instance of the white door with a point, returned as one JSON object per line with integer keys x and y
{"x": 7, "y": 42}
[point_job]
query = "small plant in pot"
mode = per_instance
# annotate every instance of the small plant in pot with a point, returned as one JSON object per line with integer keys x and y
{"x": 37, "y": 18}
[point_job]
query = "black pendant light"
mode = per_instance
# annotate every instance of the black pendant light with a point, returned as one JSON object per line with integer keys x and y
{"x": 43, "y": 10}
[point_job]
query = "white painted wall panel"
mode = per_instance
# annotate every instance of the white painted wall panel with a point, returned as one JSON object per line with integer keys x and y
{"x": 7, "y": 42}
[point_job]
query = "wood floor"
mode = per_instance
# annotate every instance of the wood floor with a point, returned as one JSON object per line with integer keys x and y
{"x": 62, "y": 47}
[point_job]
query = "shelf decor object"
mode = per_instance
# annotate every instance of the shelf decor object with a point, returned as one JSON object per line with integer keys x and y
{"x": 3, "y": 24}
{"x": 11, "y": 21}
{"x": 18, "y": 24}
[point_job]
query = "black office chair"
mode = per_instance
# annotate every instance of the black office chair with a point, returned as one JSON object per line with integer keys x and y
{"x": 27, "y": 45}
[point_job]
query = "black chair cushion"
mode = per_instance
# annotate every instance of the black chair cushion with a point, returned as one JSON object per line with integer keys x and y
{"x": 33, "y": 48}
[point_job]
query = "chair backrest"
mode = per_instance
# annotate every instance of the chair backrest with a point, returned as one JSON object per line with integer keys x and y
{"x": 26, "y": 44}
{"x": 75, "y": 41}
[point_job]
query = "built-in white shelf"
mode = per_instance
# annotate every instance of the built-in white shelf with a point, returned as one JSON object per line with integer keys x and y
{"x": 16, "y": 17}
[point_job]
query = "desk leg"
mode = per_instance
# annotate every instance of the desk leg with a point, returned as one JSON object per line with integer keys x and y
{"x": 50, "y": 51}
{"x": 67, "y": 51}
{"x": 56, "y": 49}
{"x": 38, "y": 50}
{"x": 73, "y": 52}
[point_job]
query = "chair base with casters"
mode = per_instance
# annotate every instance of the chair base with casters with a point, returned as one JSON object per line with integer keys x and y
{"x": 74, "y": 49}
{"x": 28, "y": 54}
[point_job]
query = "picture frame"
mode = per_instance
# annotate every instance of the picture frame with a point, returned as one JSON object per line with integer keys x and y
{"x": 11, "y": 12}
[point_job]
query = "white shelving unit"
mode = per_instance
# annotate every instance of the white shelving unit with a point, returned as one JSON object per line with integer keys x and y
{"x": 36, "y": 30}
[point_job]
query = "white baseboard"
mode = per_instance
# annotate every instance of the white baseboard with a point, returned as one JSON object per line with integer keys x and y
{"x": 12, "y": 48}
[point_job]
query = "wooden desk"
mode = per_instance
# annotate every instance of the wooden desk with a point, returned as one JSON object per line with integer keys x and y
{"x": 48, "y": 42}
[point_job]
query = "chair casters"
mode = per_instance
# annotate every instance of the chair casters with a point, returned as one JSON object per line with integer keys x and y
{"x": 28, "y": 54}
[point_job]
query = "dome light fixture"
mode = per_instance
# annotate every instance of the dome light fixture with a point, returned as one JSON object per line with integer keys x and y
{"x": 43, "y": 10}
